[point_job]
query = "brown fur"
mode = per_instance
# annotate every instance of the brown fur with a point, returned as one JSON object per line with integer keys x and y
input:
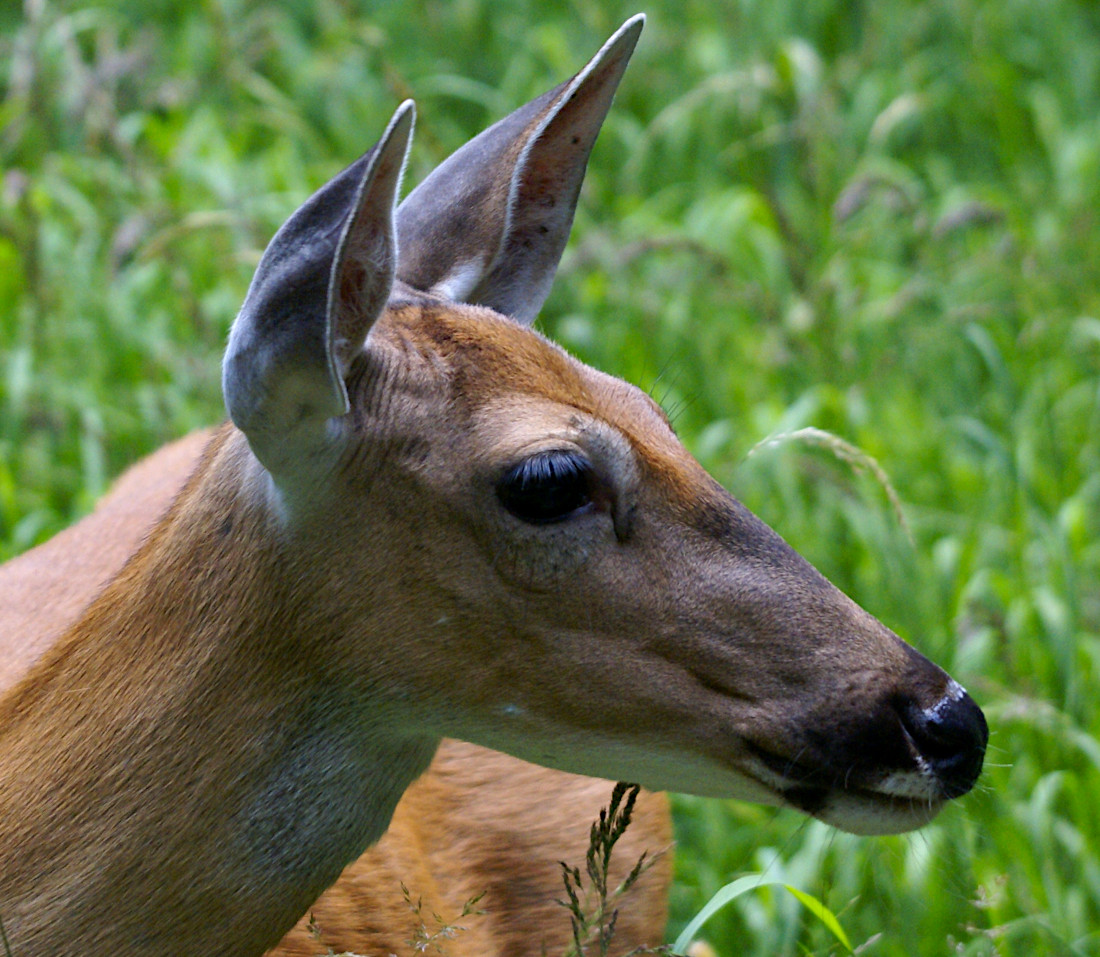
{"x": 476, "y": 822}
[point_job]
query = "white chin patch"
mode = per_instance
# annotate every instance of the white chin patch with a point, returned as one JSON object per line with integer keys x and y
{"x": 859, "y": 815}
{"x": 919, "y": 785}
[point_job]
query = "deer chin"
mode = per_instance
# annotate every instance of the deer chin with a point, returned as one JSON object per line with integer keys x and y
{"x": 865, "y": 812}
{"x": 856, "y": 810}
{"x": 892, "y": 803}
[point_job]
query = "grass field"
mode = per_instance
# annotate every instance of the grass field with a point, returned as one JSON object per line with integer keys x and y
{"x": 878, "y": 220}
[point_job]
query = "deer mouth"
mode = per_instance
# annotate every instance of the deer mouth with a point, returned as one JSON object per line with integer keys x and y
{"x": 888, "y": 803}
{"x": 893, "y": 780}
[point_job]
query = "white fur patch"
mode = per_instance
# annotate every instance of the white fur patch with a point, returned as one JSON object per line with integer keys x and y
{"x": 460, "y": 281}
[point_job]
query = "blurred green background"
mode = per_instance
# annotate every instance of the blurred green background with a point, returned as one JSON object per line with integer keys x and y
{"x": 878, "y": 220}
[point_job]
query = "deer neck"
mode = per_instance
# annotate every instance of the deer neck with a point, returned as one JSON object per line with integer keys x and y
{"x": 191, "y": 752}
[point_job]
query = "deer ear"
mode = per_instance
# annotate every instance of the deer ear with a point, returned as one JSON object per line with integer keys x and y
{"x": 488, "y": 226}
{"x": 320, "y": 285}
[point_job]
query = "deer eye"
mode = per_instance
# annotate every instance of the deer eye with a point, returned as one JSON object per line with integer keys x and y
{"x": 547, "y": 487}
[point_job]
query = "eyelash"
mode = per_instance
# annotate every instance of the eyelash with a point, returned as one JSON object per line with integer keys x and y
{"x": 547, "y": 487}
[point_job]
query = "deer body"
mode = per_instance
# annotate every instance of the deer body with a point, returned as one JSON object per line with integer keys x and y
{"x": 425, "y": 520}
{"x": 171, "y": 727}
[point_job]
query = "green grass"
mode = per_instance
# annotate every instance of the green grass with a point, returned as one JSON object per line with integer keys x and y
{"x": 874, "y": 219}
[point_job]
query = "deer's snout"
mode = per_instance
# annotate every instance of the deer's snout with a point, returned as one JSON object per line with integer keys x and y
{"x": 950, "y": 739}
{"x": 890, "y": 765}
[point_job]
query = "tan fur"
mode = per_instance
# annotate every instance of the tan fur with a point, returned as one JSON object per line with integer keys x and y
{"x": 476, "y": 822}
{"x": 43, "y": 590}
{"x": 481, "y": 822}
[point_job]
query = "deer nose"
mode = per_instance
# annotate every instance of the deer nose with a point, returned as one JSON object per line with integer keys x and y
{"x": 950, "y": 737}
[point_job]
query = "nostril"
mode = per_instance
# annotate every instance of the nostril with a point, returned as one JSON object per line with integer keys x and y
{"x": 950, "y": 737}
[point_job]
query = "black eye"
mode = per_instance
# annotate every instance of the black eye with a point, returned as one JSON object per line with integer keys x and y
{"x": 547, "y": 487}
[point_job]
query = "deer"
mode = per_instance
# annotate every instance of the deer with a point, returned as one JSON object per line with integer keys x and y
{"x": 423, "y": 522}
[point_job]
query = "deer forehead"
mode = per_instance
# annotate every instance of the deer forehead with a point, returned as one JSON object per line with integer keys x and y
{"x": 512, "y": 392}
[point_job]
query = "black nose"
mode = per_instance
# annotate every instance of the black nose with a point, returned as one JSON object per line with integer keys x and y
{"x": 951, "y": 737}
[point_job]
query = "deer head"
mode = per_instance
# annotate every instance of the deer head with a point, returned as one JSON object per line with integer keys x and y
{"x": 555, "y": 576}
